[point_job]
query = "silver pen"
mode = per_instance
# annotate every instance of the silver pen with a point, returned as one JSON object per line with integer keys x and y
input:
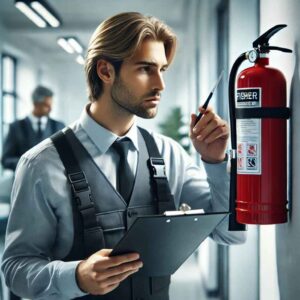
{"x": 209, "y": 97}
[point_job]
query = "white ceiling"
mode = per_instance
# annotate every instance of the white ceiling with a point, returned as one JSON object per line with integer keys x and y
{"x": 81, "y": 17}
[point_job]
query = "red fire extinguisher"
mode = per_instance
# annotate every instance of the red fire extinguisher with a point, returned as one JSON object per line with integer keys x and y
{"x": 258, "y": 114}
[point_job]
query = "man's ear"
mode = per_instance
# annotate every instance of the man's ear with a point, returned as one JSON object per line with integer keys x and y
{"x": 105, "y": 71}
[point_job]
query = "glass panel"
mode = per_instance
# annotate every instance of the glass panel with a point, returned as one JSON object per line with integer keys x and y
{"x": 8, "y": 109}
{"x": 8, "y": 74}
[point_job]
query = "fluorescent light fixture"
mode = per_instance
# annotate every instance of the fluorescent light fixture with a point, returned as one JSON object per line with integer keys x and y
{"x": 80, "y": 59}
{"x": 75, "y": 45}
{"x": 70, "y": 44}
{"x": 45, "y": 13}
{"x": 29, "y": 13}
{"x": 65, "y": 45}
{"x": 39, "y": 12}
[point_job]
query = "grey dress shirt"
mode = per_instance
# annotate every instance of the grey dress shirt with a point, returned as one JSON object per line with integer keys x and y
{"x": 40, "y": 226}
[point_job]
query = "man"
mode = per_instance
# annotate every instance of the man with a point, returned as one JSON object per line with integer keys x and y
{"x": 26, "y": 133}
{"x": 45, "y": 253}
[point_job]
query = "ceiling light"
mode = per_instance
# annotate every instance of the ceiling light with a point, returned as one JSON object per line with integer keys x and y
{"x": 80, "y": 59}
{"x": 73, "y": 42}
{"x": 65, "y": 45}
{"x": 72, "y": 45}
{"x": 39, "y": 12}
{"x": 26, "y": 10}
{"x": 45, "y": 13}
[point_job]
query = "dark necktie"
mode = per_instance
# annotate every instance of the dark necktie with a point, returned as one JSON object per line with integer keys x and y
{"x": 125, "y": 177}
{"x": 39, "y": 130}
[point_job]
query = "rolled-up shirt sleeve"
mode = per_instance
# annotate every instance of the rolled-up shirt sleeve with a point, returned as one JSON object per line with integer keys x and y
{"x": 29, "y": 264}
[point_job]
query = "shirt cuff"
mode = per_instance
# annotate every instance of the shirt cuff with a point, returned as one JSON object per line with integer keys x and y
{"x": 67, "y": 280}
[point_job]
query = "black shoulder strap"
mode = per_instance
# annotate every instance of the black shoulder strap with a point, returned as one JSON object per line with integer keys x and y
{"x": 82, "y": 196}
{"x": 156, "y": 165}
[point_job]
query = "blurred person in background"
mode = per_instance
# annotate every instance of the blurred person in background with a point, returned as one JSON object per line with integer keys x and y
{"x": 28, "y": 132}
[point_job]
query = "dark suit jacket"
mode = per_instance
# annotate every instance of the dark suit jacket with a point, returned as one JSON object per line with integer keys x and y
{"x": 21, "y": 137}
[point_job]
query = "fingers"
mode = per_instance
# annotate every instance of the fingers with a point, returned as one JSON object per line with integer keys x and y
{"x": 108, "y": 285}
{"x": 219, "y": 132}
{"x": 209, "y": 128}
{"x": 100, "y": 273}
{"x": 109, "y": 288}
{"x": 112, "y": 261}
{"x": 122, "y": 269}
{"x": 213, "y": 130}
{"x": 104, "y": 252}
{"x": 208, "y": 115}
{"x": 108, "y": 280}
{"x": 118, "y": 278}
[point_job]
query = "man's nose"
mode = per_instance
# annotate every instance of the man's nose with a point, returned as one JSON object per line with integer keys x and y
{"x": 159, "y": 82}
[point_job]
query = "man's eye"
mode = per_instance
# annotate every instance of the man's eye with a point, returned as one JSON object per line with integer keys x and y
{"x": 145, "y": 69}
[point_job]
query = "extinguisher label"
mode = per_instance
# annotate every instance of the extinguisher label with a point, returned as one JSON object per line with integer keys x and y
{"x": 249, "y": 133}
{"x": 248, "y": 97}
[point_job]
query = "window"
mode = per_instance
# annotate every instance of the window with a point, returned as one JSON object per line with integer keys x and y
{"x": 8, "y": 93}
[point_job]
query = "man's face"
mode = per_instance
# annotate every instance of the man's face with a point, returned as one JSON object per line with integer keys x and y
{"x": 44, "y": 107}
{"x": 138, "y": 87}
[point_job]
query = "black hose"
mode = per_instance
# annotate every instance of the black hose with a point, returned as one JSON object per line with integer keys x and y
{"x": 233, "y": 224}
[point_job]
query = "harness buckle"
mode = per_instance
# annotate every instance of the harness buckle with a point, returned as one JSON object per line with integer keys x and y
{"x": 78, "y": 182}
{"x": 158, "y": 167}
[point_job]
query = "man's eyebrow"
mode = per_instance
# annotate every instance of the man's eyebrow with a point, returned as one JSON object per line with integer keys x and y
{"x": 149, "y": 63}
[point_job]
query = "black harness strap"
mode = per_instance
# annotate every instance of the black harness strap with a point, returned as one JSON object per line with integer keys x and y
{"x": 263, "y": 112}
{"x": 156, "y": 165}
{"x": 82, "y": 196}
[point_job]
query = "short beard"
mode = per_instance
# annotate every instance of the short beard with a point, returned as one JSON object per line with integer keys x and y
{"x": 124, "y": 98}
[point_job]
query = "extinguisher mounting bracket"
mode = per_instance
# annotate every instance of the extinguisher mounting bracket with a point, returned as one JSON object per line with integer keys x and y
{"x": 232, "y": 153}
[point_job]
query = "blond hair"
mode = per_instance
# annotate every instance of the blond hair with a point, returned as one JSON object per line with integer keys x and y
{"x": 117, "y": 38}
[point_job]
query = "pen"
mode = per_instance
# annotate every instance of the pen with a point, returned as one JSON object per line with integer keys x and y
{"x": 209, "y": 97}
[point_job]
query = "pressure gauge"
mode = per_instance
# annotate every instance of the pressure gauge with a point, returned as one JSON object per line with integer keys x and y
{"x": 252, "y": 56}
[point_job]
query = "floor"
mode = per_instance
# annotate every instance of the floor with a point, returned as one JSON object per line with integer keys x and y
{"x": 186, "y": 283}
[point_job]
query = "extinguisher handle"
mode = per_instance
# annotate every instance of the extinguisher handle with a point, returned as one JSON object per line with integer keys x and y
{"x": 279, "y": 49}
{"x": 263, "y": 40}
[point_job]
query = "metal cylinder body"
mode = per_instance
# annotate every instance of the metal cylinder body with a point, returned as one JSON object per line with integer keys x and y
{"x": 261, "y": 148}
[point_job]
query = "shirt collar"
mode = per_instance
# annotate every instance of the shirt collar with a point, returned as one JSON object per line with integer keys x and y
{"x": 35, "y": 119}
{"x": 102, "y": 137}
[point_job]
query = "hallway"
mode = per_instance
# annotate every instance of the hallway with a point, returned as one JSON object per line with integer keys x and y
{"x": 186, "y": 282}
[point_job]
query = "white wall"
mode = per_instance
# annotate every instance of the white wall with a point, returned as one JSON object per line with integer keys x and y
{"x": 70, "y": 89}
{"x": 288, "y": 235}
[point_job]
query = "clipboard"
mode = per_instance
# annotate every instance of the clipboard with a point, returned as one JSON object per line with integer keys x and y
{"x": 165, "y": 242}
